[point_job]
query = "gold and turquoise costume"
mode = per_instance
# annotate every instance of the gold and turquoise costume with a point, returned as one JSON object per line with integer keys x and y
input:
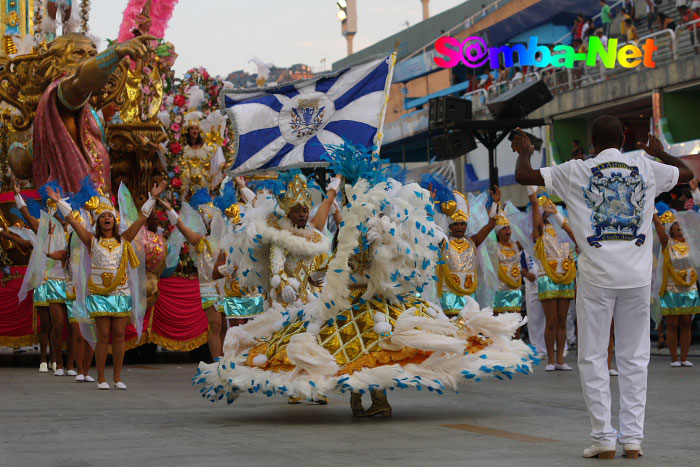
{"x": 53, "y": 287}
{"x": 679, "y": 290}
{"x": 208, "y": 287}
{"x": 236, "y": 304}
{"x": 457, "y": 277}
{"x": 108, "y": 286}
{"x": 558, "y": 272}
{"x": 509, "y": 296}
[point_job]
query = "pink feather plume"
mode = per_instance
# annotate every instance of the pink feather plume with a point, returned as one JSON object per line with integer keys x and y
{"x": 161, "y": 12}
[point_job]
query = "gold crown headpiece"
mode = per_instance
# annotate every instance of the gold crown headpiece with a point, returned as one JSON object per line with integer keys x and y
{"x": 100, "y": 205}
{"x": 544, "y": 200}
{"x": 296, "y": 194}
{"x": 457, "y": 210}
{"x": 667, "y": 217}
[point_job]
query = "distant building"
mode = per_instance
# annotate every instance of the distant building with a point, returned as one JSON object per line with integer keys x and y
{"x": 297, "y": 71}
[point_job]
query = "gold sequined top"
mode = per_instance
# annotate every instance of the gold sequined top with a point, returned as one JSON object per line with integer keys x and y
{"x": 679, "y": 253}
{"x": 106, "y": 257}
{"x": 204, "y": 260}
{"x": 557, "y": 252}
{"x": 460, "y": 255}
{"x": 509, "y": 274}
{"x": 195, "y": 167}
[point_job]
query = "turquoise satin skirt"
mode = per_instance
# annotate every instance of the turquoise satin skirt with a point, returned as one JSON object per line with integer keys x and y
{"x": 548, "y": 289}
{"x": 452, "y": 303}
{"x": 51, "y": 291}
{"x": 508, "y": 300}
{"x": 208, "y": 302}
{"x": 241, "y": 307}
{"x": 117, "y": 306}
{"x": 680, "y": 303}
{"x": 69, "y": 310}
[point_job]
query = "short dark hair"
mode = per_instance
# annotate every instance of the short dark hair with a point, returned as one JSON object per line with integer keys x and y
{"x": 606, "y": 132}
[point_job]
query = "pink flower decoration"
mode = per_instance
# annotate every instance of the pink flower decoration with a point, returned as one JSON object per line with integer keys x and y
{"x": 177, "y": 169}
{"x": 177, "y": 183}
{"x": 175, "y": 127}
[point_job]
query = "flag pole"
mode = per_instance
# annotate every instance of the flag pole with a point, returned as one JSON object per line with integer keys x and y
{"x": 387, "y": 90}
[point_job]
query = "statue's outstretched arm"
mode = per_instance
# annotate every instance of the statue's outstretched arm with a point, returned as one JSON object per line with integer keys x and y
{"x": 94, "y": 73}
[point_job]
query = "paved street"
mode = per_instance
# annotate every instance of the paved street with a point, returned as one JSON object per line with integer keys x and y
{"x": 161, "y": 421}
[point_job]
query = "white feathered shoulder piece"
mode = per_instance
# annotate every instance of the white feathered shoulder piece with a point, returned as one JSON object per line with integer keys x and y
{"x": 252, "y": 254}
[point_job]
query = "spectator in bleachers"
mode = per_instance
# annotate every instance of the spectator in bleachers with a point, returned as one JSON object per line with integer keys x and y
{"x": 606, "y": 16}
{"x": 577, "y": 30}
{"x": 518, "y": 76}
{"x": 651, "y": 13}
{"x": 631, "y": 31}
{"x": 588, "y": 29}
{"x": 688, "y": 15}
{"x": 628, "y": 7}
{"x": 665, "y": 22}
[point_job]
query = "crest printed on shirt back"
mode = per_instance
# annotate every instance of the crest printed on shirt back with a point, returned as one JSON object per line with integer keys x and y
{"x": 616, "y": 201}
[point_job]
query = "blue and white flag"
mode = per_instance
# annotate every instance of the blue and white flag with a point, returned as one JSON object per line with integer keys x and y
{"x": 287, "y": 126}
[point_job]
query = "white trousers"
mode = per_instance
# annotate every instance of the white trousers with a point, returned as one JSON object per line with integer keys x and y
{"x": 595, "y": 307}
{"x": 535, "y": 317}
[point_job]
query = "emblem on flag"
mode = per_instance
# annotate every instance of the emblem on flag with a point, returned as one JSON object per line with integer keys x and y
{"x": 288, "y": 126}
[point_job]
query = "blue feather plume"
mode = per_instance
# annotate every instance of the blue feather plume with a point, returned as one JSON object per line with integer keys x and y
{"x": 200, "y": 197}
{"x": 16, "y": 212}
{"x": 228, "y": 198}
{"x": 355, "y": 162}
{"x": 34, "y": 208}
{"x": 439, "y": 185}
{"x": 661, "y": 207}
{"x": 87, "y": 192}
{"x": 44, "y": 193}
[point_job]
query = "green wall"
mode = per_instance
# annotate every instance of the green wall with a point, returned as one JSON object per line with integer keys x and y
{"x": 564, "y": 131}
{"x": 681, "y": 111}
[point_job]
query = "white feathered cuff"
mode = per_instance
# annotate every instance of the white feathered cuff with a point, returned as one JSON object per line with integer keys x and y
{"x": 19, "y": 201}
{"x": 275, "y": 281}
{"x": 147, "y": 207}
{"x": 247, "y": 194}
{"x": 531, "y": 189}
{"x": 173, "y": 217}
{"x": 63, "y": 207}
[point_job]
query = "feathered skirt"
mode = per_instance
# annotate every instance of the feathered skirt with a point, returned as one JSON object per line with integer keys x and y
{"x": 372, "y": 345}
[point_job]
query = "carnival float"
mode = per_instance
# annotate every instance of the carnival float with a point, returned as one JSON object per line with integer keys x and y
{"x": 154, "y": 126}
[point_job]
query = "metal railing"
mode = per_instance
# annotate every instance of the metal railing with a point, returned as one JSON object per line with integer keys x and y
{"x": 496, "y": 89}
{"x": 694, "y": 33}
{"x": 467, "y": 23}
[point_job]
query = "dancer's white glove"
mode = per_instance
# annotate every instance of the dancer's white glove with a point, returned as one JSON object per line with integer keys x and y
{"x": 19, "y": 201}
{"x": 147, "y": 207}
{"x": 173, "y": 217}
{"x": 334, "y": 185}
{"x": 63, "y": 207}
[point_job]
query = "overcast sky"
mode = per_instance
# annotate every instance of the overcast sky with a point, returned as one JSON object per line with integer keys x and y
{"x": 222, "y": 35}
